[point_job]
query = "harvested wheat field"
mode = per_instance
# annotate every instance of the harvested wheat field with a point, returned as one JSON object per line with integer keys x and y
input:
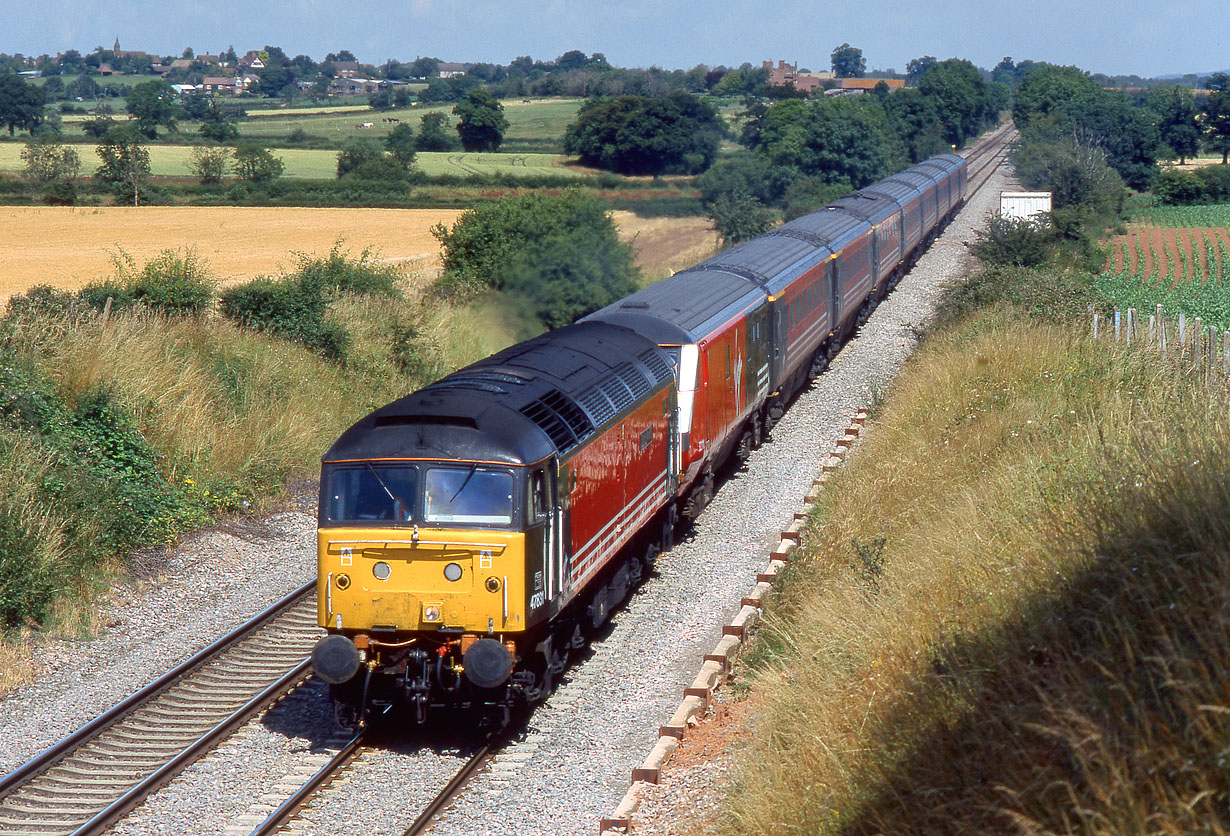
{"x": 666, "y": 245}
{"x": 67, "y": 247}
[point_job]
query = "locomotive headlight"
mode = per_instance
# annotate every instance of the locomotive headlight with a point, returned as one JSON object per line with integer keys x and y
{"x": 343, "y": 581}
{"x": 431, "y": 612}
{"x": 453, "y": 571}
{"x": 493, "y": 584}
{"x": 382, "y": 571}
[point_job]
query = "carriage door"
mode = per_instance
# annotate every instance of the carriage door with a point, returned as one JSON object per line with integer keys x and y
{"x": 834, "y": 296}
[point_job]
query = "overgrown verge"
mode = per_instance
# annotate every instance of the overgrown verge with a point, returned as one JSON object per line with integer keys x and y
{"x": 1010, "y": 611}
{"x": 123, "y": 429}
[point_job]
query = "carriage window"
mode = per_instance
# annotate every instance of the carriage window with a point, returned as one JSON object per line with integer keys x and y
{"x": 468, "y": 495}
{"x": 371, "y": 492}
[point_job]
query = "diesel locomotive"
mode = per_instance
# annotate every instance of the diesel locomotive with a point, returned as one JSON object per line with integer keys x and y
{"x": 476, "y": 531}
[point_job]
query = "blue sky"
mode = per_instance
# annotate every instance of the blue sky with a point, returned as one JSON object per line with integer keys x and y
{"x": 1129, "y": 36}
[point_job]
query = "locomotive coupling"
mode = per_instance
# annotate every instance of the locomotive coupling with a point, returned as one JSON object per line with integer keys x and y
{"x": 335, "y": 659}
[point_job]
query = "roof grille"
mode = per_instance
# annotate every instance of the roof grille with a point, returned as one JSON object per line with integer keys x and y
{"x": 561, "y": 419}
{"x": 657, "y": 365}
{"x": 635, "y": 381}
{"x": 617, "y": 391}
{"x": 598, "y": 405}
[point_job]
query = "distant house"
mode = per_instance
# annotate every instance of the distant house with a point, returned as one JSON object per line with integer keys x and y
{"x": 105, "y": 69}
{"x": 251, "y": 61}
{"x": 159, "y": 69}
{"x": 181, "y": 63}
{"x": 183, "y": 89}
{"x": 448, "y": 69}
{"x": 355, "y": 86}
{"x": 346, "y": 69}
{"x": 788, "y": 75}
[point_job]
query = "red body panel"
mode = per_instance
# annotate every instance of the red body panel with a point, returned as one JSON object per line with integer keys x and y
{"x": 616, "y": 485}
{"x": 808, "y": 319}
{"x": 854, "y": 272}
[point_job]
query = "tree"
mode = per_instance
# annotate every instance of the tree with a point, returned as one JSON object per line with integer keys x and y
{"x": 363, "y": 158}
{"x": 53, "y": 168}
{"x": 209, "y": 164}
{"x": 917, "y": 67}
{"x": 125, "y": 161}
{"x": 848, "y": 62}
{"x": 434, "y": 134}
{"x": 1176, "y": 120}
{"x": 961, "y": 97}
{"x": 1215, "y": 115}
{"x": 481, "y": 123}
{"x": 21, "y": 103}
{"x": 738, "y": 216}
{"x": 835, "y": 139}
{"x": 152, "y": 104}
{"x": 424, "y": 67}
{"x": 401, "y": 145}
{"x": 561, "y": 253}
{"x": 679, "y": 133}
{"x": 256, "y": 164}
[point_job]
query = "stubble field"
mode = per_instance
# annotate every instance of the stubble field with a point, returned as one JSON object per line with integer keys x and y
{"x": 69, "y": 247}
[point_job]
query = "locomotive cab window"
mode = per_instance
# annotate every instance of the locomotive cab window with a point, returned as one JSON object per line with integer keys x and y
{"x": 371, "y": 492}
{"x": 468, "y": 496}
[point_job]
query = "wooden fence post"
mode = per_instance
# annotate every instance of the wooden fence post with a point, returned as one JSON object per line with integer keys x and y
{"x": 1131, "y": 325}
{"x": 1152, "y": 330}
{"x": 1182, "y": 328}
{"x": 1117, "y": 318}
{"x": 1225, "y": 351}
{"x": 106, "y": 314}
{"x": 1212, "y": 349}
{"x": 1095, "y": 326}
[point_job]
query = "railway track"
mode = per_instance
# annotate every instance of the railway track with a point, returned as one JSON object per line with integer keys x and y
{"x": 988, "y": 156}
{"x": 285, "y": 814}
{"x": 99, "y": 773}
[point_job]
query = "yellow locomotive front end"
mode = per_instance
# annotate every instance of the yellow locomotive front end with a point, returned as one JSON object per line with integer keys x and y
{"x": 425, "y": 579}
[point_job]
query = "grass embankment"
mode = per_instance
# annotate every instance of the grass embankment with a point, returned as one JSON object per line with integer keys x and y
{"x": 122, "y": 433}
{"x": 1010, "y": 613}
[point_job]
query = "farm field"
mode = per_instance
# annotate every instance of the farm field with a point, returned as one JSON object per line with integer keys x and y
{"x": 1178, "y": 257}
{"x": 68, "y": 247}
{"x": 539, "y": 122}
{"x": 321, "y": 164}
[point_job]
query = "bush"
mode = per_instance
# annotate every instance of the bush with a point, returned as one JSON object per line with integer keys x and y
{"x": 295, "y": 306}
{"x": 256, "y": 164}
{"x": 678, "y": 133}
{"x": 738, "y": 216}
{"x": 1014, "y": 242}
{"x": 521, "y": 244}
{"x": 172, "y": 283}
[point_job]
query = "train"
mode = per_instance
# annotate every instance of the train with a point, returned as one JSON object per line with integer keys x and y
{"x": 474, "y": 533}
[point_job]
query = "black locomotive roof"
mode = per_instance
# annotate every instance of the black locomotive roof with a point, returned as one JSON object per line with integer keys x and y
{"x": 519, "y": 406}
{"x": 696, "y": 301}
{"x": 831, "y": 226}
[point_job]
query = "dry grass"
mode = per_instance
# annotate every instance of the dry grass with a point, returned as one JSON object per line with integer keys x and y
{"x": 69, "y": 247}
{"x": 1010, "y": 615}
{"x": 664, "y": 246}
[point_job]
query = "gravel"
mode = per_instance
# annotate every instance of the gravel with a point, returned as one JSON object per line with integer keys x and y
{"x": 573, "y": 763}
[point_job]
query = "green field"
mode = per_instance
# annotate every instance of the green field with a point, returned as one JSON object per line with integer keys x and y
{"x": 321, "y": 164}
{"x": 1174, "y": 256}
{"x": 536, "y": 123}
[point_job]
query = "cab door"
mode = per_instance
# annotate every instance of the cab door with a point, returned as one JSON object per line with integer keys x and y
{"x": 542, "y": 551}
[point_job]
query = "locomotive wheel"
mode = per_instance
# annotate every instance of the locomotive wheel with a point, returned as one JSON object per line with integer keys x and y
{"x": 757, "y": 432}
